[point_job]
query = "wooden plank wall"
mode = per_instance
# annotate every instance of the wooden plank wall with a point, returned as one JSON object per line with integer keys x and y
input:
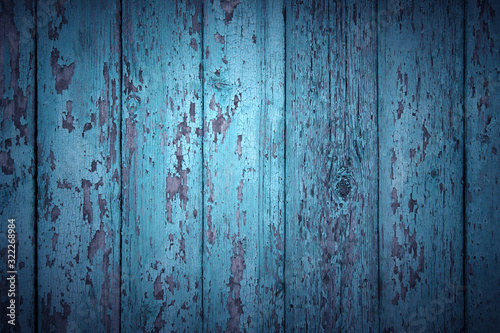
{"x": 243, "y": 166}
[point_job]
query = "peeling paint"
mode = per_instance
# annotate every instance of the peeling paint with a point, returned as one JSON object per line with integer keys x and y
{"x": 63, "y": 73}
{"x": 228, "y": 6}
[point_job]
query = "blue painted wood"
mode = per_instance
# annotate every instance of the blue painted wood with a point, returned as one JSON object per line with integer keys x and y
{"x": 78, "y": 166}
{"x": 421, "y": 165}
{"x": 17, "y": 162}
{"x": 331, "y": 167}
{"x": 361, "y": 224}
{"x": 482, "y": 269}
{"x": 244, "y": 80}
{"x": 162, "y": 166}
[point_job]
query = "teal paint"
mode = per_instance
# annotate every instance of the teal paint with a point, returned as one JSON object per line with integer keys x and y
{"x": 162, "y": 161}
{"x": 78, "y": 250}
{"x": 482, "y": 267}
{"x": 17, "y": 159}
{"x": 243, "y": 166}
{"x": 421, "y": 166}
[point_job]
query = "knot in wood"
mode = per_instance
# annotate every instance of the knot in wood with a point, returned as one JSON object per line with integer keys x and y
{"x": 344, "y": 187}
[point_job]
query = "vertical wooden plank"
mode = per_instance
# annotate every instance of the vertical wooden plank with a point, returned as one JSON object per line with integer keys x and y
{"x": 482, "y": 143}
{"x": 17, "y": 157}
{"x": 78, "y": 166}
{"x": 331, "y": 167}
{"x": 421, "y": 165}
{"x": 243, "y": 166}
{"x": 162, "y": 161}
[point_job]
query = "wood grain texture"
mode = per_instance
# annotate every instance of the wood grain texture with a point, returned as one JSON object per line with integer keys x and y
{"x": 79, "y": 166}
{"x": 421, "y": 165}
{"x": 243, "y": 166}
{"x": 331, "y": 167}
{"x": 17, "y": 159}
{"x": 162, "y": 166}
{"x": 482, "y": 207}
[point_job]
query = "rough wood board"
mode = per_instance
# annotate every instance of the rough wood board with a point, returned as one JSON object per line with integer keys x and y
{"x": 78, "y": 166}
{"x": 162, "y": 166}
{"x": 482, "y": 269}
{"x": 421, "y": 165}
{"x": 17, "y": 159}
{"x": 331, "y": 167}
{"x": 243, "y": 166}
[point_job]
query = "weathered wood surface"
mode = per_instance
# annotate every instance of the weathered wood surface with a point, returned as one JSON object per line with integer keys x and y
{"x": 243, "y": 44}
{"x": 251, "y": 165}
{"x": 331, "y": 167}
{"x": 78, "y": 166}
{"x": 162, "y": 166}
{"x": 421, "y": 165}
{"x": 482, "y": 136}
{"x": 17, "y": 158}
